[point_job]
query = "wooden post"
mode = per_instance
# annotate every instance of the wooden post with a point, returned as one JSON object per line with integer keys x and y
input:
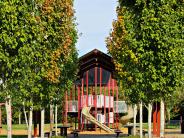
{"x": 105, "y": 104}
{"x": 154, "y": 119}
{"x": 158, "y": 119}
{"x": 66, "y": 107}
{"x": 87, "y": 72}
{"x": 82, "y": 102}
{"x": 100, "y": 80}
{"x": 87, "y": 88}
{"x": 109, "y": 83}
{"x": 79, "y": 100}
{"x": 0, "y": 118}
{"x": 116, "y": 105}
{"x": 113, "y": 101}
{"x": 95, "y": 96}
{"x": 35, "y": 123}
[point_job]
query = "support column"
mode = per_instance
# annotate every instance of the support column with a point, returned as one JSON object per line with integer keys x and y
{"x": 0, "y": 119}
{"x": 66, "y": 107}
{"x": 104, "y": 104}
{"x": 116, "y": 105}
{"x": 82, "y": 102}
{"x": 87, "y": 88}
{"x": 154, "y": 119}
{"x": 158, "y": 119}
{"x": 35, "y": 124}
{"x": 95, "y": 95}
{"x": 100, "y": 80}
{"x": 87, "y": 72}
{"x": 79, "y": 107}
{"x": 109, "y": 103}
{"x": 113, "y": 101}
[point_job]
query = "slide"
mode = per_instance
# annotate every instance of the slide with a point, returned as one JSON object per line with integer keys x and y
{"x": 89, "y": 117}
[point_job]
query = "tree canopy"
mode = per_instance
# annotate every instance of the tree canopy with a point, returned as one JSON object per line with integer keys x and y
{"x": 147, "y": 46}
{"x": 37, "y": 50}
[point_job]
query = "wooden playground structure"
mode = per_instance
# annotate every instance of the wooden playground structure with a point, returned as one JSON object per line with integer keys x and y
{"x": 97, "y": 88}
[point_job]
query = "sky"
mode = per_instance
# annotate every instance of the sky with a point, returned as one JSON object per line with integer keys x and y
{"x": 94, "y": 19}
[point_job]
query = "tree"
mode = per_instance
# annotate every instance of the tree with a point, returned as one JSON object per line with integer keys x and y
{"x": 146, "y": 44}
{"x": 37, "y": 47}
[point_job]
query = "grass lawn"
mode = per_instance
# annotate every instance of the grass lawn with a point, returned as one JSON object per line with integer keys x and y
{"x": 23, "y": 126}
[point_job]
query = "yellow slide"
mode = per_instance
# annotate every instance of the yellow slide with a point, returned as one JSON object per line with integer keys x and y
{"x": 89, "y": 117}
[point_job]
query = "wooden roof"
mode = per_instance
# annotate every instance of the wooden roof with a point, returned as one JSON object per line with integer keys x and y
{"x": 95, "y": 58}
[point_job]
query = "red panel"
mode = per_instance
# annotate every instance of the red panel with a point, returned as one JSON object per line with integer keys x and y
{"x": 105, "y": 103}
{"x": 66, "y": 107}
{"x": 116, "y": 104}
{"x": 82, "y": 102}
{"x": 113, "y": 83}
{"x": 155, "y": 119}
{"x": 109, "y": 88}
{"x": 87, "y": 88}
{"x": 79, "y": 105}
{"x": 96, "y": 94}
{"x": 100, "y": 80}
{"x": 158, "y": 119}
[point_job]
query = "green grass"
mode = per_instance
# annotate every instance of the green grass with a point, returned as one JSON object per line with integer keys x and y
{"x": 16, "y": 127}
{"x": 172, "y": 126}
{"x": 23, "y": 126}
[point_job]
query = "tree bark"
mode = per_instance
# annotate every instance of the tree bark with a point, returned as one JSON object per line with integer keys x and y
{"x": 149, "y": 119}
{"x": 30, "y": 122}
{"x": 0, "y": 117}
{"x": 56, "y": 119}
{"x": 140, "y": 110}
{"x": 9, "y": 117}
{"x": 135, "y": 114}
{"x": 51, "y": 119}
{"x": 162, "y": 120}
{"x": 168, "y": 111}
{"x": 42, "y": 122}
{"x": 25, "y": 115}
{"x": 19, "y": 117}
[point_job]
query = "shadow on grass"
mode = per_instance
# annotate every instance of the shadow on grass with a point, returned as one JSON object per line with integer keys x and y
{"x": 14, "y": 136}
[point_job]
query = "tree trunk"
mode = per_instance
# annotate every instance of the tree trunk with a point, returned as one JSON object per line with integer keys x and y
{"x": 19, "y": 117}
{"x": 135, "y": 114}
{"x": 51, "y": 119}
{"x": 42, "y": 122}
{"x": 162, "y": 120}
{"x": 149, "y": 119}
{"x": 0, "y": 117}
{"x": 9, "y": 117}
{"x": 30, "y": 122}
{"x": 168, "y": 111}
{"x": 56, "y": 119}
{"x": 140, "y": 110}
{"x": 25, "y": 115}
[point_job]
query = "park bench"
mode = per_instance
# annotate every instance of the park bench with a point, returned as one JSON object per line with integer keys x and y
{"x": 47, "y": 134}
{"x": 175, "y": 123}
{"x": 75, "y": 133}
{"x": 144, "y": 132}
{"x": 117, "y": 131}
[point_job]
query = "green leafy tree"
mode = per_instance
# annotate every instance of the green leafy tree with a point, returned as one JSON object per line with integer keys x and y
{"x": 37, "y": 51}
{"x": 146, "y": 44}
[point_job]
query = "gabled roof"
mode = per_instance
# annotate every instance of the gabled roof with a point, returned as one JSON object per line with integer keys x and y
{"x": 95, "y": 58}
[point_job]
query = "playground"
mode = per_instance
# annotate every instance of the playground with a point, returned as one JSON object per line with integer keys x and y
{"x": 20, "y": 131}
{"x": 94, "y": 103}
